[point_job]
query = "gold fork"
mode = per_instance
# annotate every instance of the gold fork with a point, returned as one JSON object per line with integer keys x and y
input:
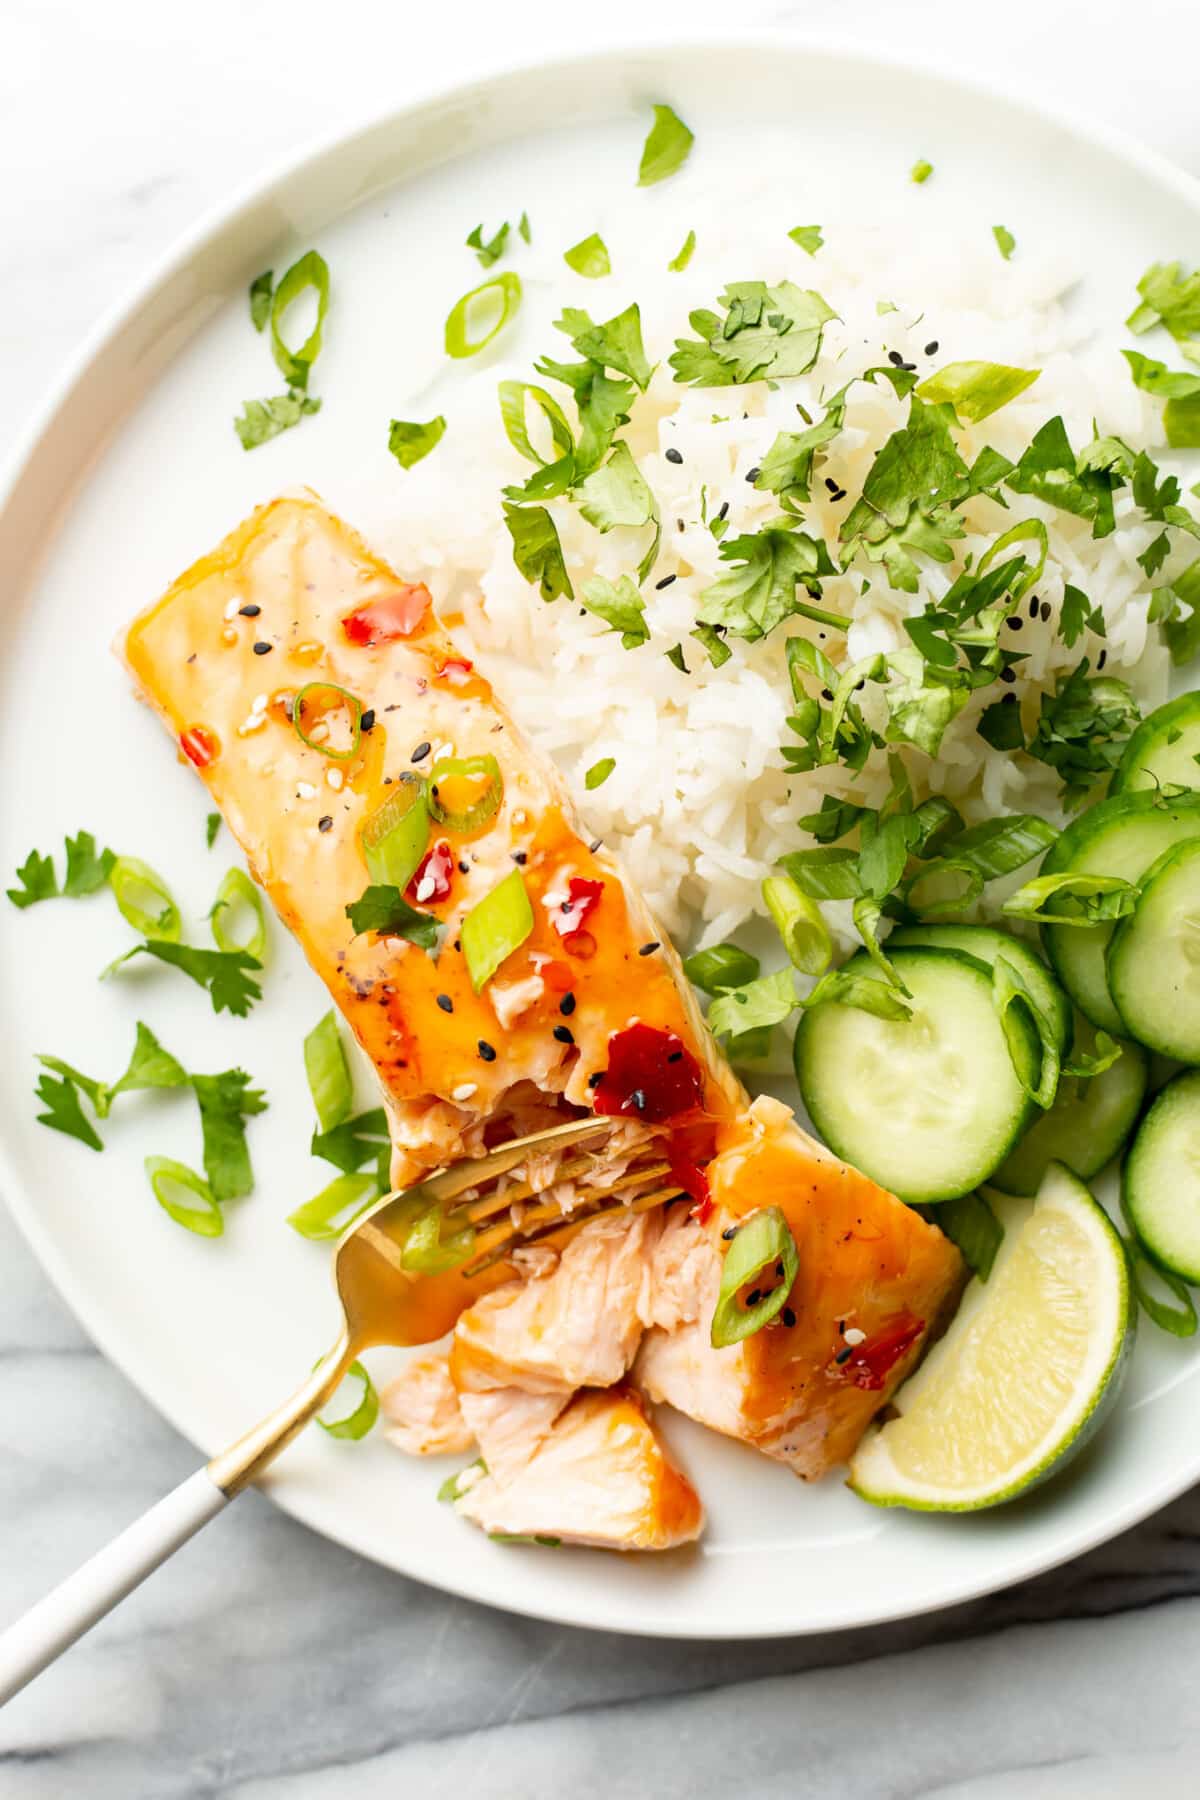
{"x": 382, "y": 1303}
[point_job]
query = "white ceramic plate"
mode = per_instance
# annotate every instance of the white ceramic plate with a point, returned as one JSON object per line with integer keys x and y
{"x": 134, "y": 471}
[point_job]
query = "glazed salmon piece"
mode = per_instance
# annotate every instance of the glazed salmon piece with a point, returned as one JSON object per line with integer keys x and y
{"x": 421, "y": 1413}
{"x": 873, "y": 1280}
{"x": 601, "y": 1477}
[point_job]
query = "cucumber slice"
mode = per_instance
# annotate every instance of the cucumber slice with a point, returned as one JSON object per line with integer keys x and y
{"x": 1154, "y": 957}
{"x": 986, "y": 944}
{"x": 1087, "y": 1124}
{"x": 1160, "y": 1185}
{"x": 927, "y": 1106}
{"x": 1163, "y": 749}
{"x": 1120, "y": 836}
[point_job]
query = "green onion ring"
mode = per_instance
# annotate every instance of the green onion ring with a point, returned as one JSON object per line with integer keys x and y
{"x": 238, "y": 889}
{"x": 356, "y": 712}
{"x": 170, "y": 1180}
{"x": 354, "y": 1424}
{"x": 328, "y": 1214}
{"x": 475, "y": 816}
{"x": 131, "y": 880}
{"x": 762, "y": 1241}
{"x": 309, "y": 271}
{"x": 395, "y": 835}
{"x": 458, "y": 344}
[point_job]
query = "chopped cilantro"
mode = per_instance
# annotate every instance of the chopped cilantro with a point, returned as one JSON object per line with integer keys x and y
{"x": 212, "y": 825}
{"x": 37, "y": 881}
{"x": 354, "y": 1143}
{"x": 261, "y": 290}
{"x": 589, "y": 257}
{"x": 1006, "y": 243}
{"x": 921, "y": 171}
{"x": 618, "y": 494}
{"x": 492, "y": 249}
{"x": 537, "y": 551}
{"x": 87, "y": 870}
{"x": 1050, "y": 471}
{"x": 767, "y": 333}
{"x": 1181, "y": 391}
{"x": 914, "y": 482}
{"x": 1181, "y": 628}
{"x": 1082, "y": 730}
{"x": 758, "y": 594}
{"x": 1078, "y": 615}
{"x": 410, "y": 442}
{"x": 599, "y": 773}
{"x": 616, "y": 344}
{"x": 262, "y": 420}
{"x": 226, "y": 1101}
{"x": 713, "y": 644}
{"x": 620, "y": 606}
{"x": 683, "y": 257}
{"x": 64, "y": 1112}
{"x": 666, "y": 148}
{"x": 382, "y": 909}
{"x": 808, "y": 237}
{"x": 224, "y": 974}
{"x": 1170, "y": 298}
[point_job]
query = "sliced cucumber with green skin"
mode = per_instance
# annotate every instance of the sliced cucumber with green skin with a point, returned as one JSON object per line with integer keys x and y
{"x": 928, "y": 1106}
{"x": 1087, "y": 1124}
{"x": 985, "y": 943}
{"x": 1160, "y": 1184}
{"x": 1153, "y": 957}
{"x": 1121, "y": 836}
{"x": 1162, "y": 751}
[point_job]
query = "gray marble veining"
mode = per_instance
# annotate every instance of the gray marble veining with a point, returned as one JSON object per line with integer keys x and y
{"x": 265, "y": 1663}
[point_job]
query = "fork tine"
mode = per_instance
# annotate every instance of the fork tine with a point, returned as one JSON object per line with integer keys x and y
{"x": 447, "y": 1184}
{"x": 493, "y": 1245}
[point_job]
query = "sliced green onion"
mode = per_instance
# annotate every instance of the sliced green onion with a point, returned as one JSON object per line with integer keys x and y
{"x": 473, "y": 769}
{"x": 185, "y": 1196}
{"x": 236, "y": 890}
{"x": 599, "y": 773}
{"x": 684, "y": 256}
{"x": 762, "y": 1241}
{"x": 589, "y": 257}
{"x": 328, "y": 1214}
{"x": 1179, "y": 1320}
{"x": 514, "y": 399}
{"x": 395, "y": 836}
{"x": 723, "y": 967}
{"x": 452, "y": 1489}
{"x": 1011, "y": 996}
{"x": 427, "y": 1252}
{"x": 496, "y": 927}
{"x": 505, "y": 288}
{"x": 310, "y": 271}
{"x": 345, "y": 702}
{"x": 352, "y": 1408}
{"x": 1032, "y": 529}
{"x": 136, "y": 887}
{"x": 800, "y": 924}
{"x": 328, "y": 1073}
{"x": 1082, "y": 900}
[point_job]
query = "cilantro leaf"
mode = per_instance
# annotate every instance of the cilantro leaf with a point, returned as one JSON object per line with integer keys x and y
{"x": 537, "y": 551}
{"x": 834, "y": 820}
{"x": 977, "y": 389}
{"x": 63, "y": 1111}
{"x": 1082, "y": 730}
{"x": 226, "y": 1101}
{"x": 589, "y": 257}
{"x": 914, "y": 481}
{"x": 1006, "y": 243}
{"x": 97, "y": 1092}
{"x": 150, "y": 1066}
{"x": 680, "y": 261}
{"x": 224, "y": 974}
{"x": 87, "y": 870}
{"x": 622, "y": 607}
{"x": 767, "y": 1001}
{"x": 599, "y": 773}
{"x": 616, "y": 344}
{"x": 383, "y": 909}
{"x": 410, "y": 442}
{"x": 1180, "y": 629}
{"x": 1000, "y": 724}
{"x": 808, "y": 237}
{"x": 1181, "y": 391}
{"x": 787, "y": 467}
{"x": 713, "y": 644}
{"x": 768, "y": 333}
{"x": 1079, "y": 615}
{"x": 354, "y": 1143}
{"x": 493, "y": 249}
{"x": 37, "y": 881}
{"x": 1050, "y": 471}
{"x": 922, "y": 700}
{"x": 261, "y": 420}
{"x": 618, "y": 494}
{"x": 262, "y": 289}
{"x": 212, "y": 825}
{"x": 1170, "y": 298}
{"x": 846, "y": 987}
{"x": 666, "y": 148}
{"x": 752, "y": 599}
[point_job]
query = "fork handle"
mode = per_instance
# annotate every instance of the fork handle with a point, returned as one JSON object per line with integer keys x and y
{"x": 73, "y": 1607}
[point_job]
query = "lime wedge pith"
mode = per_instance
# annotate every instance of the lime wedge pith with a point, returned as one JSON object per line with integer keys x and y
{"x": 1026, "y": 1371}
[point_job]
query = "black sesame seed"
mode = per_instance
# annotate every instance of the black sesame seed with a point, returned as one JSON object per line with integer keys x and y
{"x": 826, "y": 695}
{"x": 831, "y": 484}
{"x": 843, "y": 1356}
{"x": 753, "y": 474}
{"x": 1008, "y": 675}
{"x": 724, "y": 512}
{"x": 779, "y": 1269}
{"x": 753, "y": 1297}
{"x": 249, "y": 612}
{"x": 261, "y": 648}
{"x": 1010, "y": 697}
{"x": 1045, "y": 610}
{"x": 675, "y": 1056}
{"x": 1101, "y": 660}
{"x": 673, "y": 455}
{"x": 445, "y": 1002}
{"x": 649, "y": 949}
{"x": 730, "y": 1231}
{"x": 566, "y": 1005}
{"x": 931, "y": 348}
{"x": 485, "y": 1050}
{"x": 368, "y": 719}
{"x": 595, "y": 845}
{"x": 895, "y": 358}
{"x": 421, "y": 752}
{"x": 464, "y": 867}
{"x": 595, "y": 1079}
{"x": 520, "y": 856}
{"x": 788, "y": 1316}
{"x": 1033, "y": 607}
{"x": 1015, "y": 624}
{"x": 564, "y": 1034}
{"x": 664, "y": 583}
{"x": 325, "y": 824}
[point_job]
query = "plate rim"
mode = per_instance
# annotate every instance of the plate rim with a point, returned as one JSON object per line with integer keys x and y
{"x": 215, "y": 220}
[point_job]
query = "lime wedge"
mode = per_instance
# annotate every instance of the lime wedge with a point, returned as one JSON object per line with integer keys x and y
{"x": 1026, "y": 1372}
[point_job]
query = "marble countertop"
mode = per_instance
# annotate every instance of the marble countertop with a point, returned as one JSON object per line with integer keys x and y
{"x": 265, "y": 1663}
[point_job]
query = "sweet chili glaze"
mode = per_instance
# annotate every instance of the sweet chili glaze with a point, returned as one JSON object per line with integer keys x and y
{"x": 221, "y": 656}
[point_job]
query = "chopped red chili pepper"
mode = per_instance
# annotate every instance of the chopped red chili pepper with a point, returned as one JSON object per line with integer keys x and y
{"x": 649, "y": 1076}
{"x": 583, "y": 897}
{"x": 558, "y": 978}
{"x": 389, "y": 617}
{"x": 874, "y": 1360}
{"x": 198, "y": 745}
{"x": 436, "y": 867}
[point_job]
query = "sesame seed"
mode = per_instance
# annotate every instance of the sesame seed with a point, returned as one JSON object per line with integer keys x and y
{"x": 305, "y": 790}
{"x": 464, "y": 1090}
{"x": 638, "y": 1100}
{"x": 325, "y": 824}
{"x": 485, "y": 1050}
{"x": 1033, "y": 607}
{"x": 753, "y": 1297}
{"x": 421, "y": 752}
{"x": 831, "y": 484}
{"x": 664, "y": 583}
{"x": 367, "y": 720}
{"x": 753, "y": 474}
{"x": 673, "y": 455}
{"x": 855, "y": 1336}
{"x": 843, "y": 1356}
{"x": 931, "y": 348}
{"x": 566, "y": 1005}
{"x": 1008, "y": 675}
{"x": 564, "y": 1034}
{"x": 1015, "y": 624}
{"x": 445, "y": 1002}
{"x": 231, "y": 610}
{"x": 464, "y": 867}
{"x": 788, "y": 1316}
{"x": 675, "y": 1056}
{"x": 595, "y": 1079}
{"x": 1045, "y": 611}
{"x": 595, "y": 845}
{"x": 250, "y": 612}
{"x": 1101, "y": 660}
{"x": 895, "y": 358}
{"x": 334, "y": 779}
{"x": 262, "y": 648}
{"x": 724, "y": 512}
{"x": 729, "y": 1232}
{"x": 521, "y": 857}
{"x": 649, "y": 949}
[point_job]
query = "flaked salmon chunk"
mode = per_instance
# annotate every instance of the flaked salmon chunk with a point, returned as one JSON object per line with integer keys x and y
{"x": 602, "y": 1477}
{"x": 420, "y": 1408}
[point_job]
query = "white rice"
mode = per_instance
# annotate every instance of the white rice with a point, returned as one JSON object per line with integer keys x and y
{"x": 699, "y": 802}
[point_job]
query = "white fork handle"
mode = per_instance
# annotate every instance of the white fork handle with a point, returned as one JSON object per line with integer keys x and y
{"x": 73, "y": 1607}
